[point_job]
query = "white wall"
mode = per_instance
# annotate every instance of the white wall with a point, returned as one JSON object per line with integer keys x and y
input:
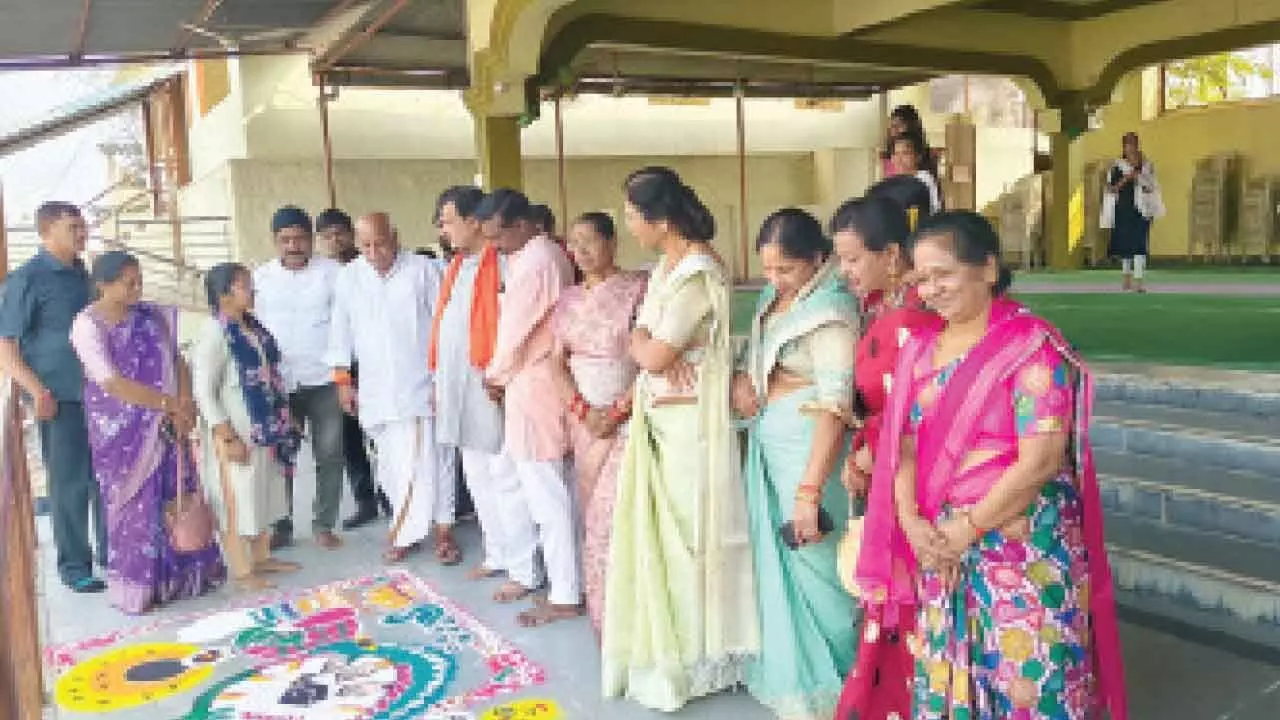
{"x": 407, "y": 189}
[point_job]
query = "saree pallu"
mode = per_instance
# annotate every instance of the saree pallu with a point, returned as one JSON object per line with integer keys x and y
{"x": 680, "y": 615}
{"x": 1030, "y": 631}
{"x": 807, "y": 619}
{"x": 595, "y": 463}
{"x": 986, "y": 648}
{"x": 136, "y": 464}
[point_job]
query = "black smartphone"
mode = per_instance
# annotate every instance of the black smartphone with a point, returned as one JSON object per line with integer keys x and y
{"x": 788, "y": 530}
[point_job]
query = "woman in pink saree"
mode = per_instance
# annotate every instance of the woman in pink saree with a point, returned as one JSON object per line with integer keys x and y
{"x": 592, "y": 325}
{"x": 984, "y": 520}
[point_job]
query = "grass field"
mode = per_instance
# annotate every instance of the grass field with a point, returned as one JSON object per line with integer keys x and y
{"x": 1195, "y": 330}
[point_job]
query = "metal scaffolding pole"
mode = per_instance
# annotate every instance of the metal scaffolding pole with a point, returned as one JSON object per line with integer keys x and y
{"x": 327, "y": 138}
{"x": 562, "y": 179}
{"x": 744, "y": 243}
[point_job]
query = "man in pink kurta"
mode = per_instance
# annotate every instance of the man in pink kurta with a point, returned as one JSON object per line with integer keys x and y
{"x": 536, "y": 438}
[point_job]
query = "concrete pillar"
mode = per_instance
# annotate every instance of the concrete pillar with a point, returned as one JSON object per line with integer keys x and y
{"x": 1064, "y": 125}
{"x": 1058, "y": 250}
{"x": 498, "y": 151}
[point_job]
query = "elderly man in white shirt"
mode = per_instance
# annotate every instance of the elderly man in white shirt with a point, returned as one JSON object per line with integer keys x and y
{"x": 382, "y": 318}
{"x": 294, "y": 301}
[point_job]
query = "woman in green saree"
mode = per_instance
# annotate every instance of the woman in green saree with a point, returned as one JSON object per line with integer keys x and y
{"x": 680, "y": 615}
{"x": 795, "y": 389}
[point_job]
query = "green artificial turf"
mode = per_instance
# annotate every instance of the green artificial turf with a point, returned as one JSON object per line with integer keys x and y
{"x": 1196, "y": 330}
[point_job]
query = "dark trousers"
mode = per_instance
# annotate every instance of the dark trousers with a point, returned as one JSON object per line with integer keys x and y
{"x": 73, "y": 492}
{"x": 359, "y": 471}
{"x": 316, "y": 409}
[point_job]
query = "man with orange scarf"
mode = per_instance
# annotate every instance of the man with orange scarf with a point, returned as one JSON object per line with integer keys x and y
{"x": 462, "y": 340}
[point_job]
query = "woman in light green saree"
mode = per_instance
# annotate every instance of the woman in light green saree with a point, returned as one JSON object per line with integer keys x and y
{"x": 796, "y": 388}
{"x": 680, "y": 617}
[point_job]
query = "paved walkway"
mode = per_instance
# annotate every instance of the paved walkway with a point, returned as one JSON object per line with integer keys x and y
{"x": 1035, "y": 286}
{"x": 1169, "y": 678}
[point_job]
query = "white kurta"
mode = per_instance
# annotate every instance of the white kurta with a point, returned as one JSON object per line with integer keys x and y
{"x": 466, "y": 418}
{"x": 384, "y": 323}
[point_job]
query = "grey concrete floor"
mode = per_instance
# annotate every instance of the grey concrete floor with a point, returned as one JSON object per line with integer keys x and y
{"x": 1169, "y": 678}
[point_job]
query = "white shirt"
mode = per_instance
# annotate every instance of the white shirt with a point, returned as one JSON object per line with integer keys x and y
{"x": 296, "y": 306}
{"x": 384, "y": 323}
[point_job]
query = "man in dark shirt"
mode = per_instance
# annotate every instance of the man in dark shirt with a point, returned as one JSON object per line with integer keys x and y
{"x": 40, "y": 300}
{"x": 335, "y": 230}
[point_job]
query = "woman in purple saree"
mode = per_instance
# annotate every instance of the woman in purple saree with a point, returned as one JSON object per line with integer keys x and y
{"x": 137, "y": 400}
{"x": 983, "y": 538}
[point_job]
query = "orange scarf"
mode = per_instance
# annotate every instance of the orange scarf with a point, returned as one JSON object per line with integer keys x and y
{"x": 484, "y": 309}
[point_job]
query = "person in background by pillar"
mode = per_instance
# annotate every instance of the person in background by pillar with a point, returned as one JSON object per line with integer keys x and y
{"x": 524, "y": 373}
{"x": 41, "y": 299}
{"x": 294, "y": 303}
{"x": 334, "y": 228}
{"x": 382, "y": 311}
{"x": 1131, "y": 178}
{"x": 464, "y": 331}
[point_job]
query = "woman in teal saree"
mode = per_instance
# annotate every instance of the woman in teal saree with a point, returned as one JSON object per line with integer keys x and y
{"x": 795, "y": 388}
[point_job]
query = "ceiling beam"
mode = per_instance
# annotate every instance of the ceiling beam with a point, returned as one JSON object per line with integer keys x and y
{"x": 1056, "y": 10}
{"x": 354, "y": 43}
{"x": 186, "y": 33}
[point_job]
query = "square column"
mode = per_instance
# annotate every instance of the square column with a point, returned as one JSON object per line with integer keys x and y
{"x": 498, "y": 151}
{"x": 1062, "y": 250}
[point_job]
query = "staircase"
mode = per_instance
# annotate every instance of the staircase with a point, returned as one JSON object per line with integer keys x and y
{"x": 1190, "y": 480}
{"x": 206, "y": 241}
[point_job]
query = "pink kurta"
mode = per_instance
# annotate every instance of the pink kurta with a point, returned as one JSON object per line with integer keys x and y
{"x": 593, "y": 327}
{"x": 523, "y": 362}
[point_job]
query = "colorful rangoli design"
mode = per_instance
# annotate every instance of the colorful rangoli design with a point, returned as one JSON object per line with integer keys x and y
{"x": 386, "y": 647}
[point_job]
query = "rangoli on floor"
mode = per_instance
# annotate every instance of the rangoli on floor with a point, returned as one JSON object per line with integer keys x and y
{"x": 384, "y": 647}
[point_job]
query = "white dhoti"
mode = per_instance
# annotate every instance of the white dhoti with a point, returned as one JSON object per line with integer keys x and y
{"x": 411, "y": 470}
{"x": 545, "y": 501}
{"x": 489, "y": 478}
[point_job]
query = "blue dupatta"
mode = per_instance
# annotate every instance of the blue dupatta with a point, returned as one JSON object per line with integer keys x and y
{"x": 257, "y": 358}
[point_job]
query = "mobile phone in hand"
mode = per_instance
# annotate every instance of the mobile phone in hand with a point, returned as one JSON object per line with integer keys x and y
{"x": 788, "y": 529}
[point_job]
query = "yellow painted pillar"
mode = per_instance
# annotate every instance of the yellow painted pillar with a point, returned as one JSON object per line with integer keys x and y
{"x": 498, "y": 151}
{"x": 1063, "y": 227}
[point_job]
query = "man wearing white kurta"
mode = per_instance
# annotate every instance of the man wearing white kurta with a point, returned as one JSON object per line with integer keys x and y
{"x": 293, "y": 298}
{"x": 382, "y": 314}
{"x": 466, "y": 418}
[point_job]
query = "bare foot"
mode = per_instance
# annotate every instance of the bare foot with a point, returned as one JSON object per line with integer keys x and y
{"x": 253, "y": 583}
{"x": 546, "y": 613}
{"x": 480, "y": 572}
{"x": 510, "y": 592}
{"x": 274, "y": 566}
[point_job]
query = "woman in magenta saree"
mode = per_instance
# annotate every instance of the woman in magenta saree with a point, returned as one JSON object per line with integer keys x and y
{"x": 592, "y": 325}
{"x": 137, "y": 400}
{"x": 984, "y": 521}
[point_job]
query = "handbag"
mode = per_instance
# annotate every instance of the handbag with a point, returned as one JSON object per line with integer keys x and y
{"x": 850, "y": 546}
{"x": 187, "y": 516}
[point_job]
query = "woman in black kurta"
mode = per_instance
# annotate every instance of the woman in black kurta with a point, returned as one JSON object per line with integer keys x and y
{"x": 1132, "y": 230}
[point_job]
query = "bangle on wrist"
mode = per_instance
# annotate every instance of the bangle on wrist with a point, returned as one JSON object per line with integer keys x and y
{"x": 978, "y": 532}
{"x": 809, "y": 493}
{"x": 578, "y": 407}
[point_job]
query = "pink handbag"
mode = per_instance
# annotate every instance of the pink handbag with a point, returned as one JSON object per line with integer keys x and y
{"x": 187, "y": 516}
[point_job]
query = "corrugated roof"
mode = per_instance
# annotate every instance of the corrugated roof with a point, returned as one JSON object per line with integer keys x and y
{"x": 84, "y": 111}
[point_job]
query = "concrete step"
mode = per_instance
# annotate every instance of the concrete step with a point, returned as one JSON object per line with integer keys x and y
{"x": 1210, "y": 389}
{"x": 1197, "y": 558}
{"x": 1206, "y": 438}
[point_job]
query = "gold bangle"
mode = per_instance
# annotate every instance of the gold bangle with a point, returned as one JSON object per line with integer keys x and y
{"x": 809, "y": 493}
{"x": 968, "y": 518}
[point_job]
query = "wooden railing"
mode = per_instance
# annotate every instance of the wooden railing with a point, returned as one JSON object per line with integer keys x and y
{"x": 21, "y": 682}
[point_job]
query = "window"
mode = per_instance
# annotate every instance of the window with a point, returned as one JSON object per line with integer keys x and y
{"x": 990, "y": 101}
{"x": 1248, "y": 74}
